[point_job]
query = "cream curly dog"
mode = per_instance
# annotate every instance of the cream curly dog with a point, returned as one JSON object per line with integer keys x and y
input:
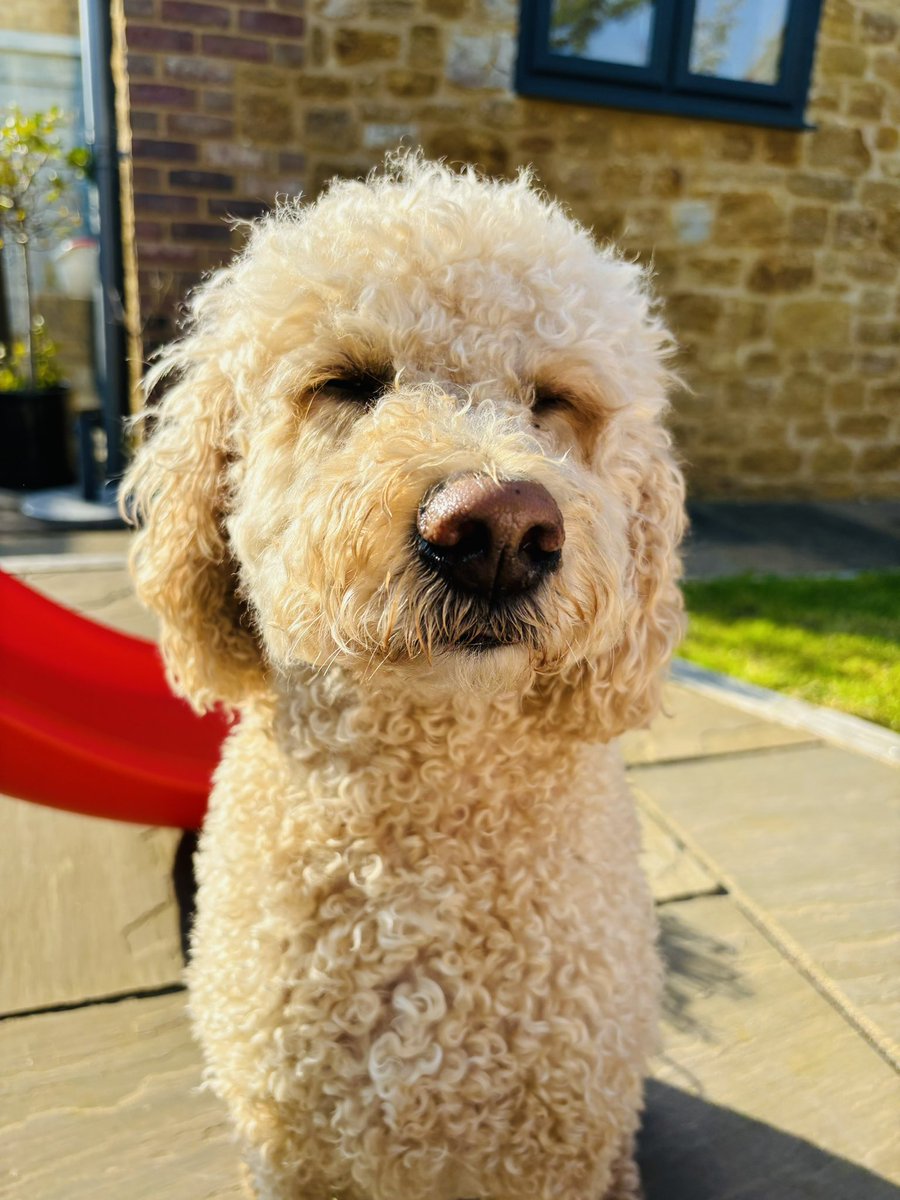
{"x": 410, "y": 509}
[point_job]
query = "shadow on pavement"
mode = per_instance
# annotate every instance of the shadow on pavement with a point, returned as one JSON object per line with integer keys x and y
{"x": 695, "y": 964}
{"x": 693, "y": 1150}
{"x": 185, "y": 885}
{"x": 729, "y": 538}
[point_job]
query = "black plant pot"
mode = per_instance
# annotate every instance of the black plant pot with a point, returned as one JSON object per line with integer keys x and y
{"x": 34, "y": 438}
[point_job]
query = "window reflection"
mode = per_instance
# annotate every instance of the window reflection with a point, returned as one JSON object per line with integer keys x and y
{"x": 739, "y": 39}
{"x": 615, "y": 31}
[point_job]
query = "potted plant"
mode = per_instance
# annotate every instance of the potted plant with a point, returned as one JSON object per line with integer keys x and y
{"x": 36, "y": 177}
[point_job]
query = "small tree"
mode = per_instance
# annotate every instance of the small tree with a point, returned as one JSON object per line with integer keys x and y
{"x": 36, "y": 176}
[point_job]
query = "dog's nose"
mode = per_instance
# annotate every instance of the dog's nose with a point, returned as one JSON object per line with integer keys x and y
{"x": 493, "y": 539}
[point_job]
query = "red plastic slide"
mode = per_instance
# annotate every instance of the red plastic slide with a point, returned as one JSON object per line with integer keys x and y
{"x": 87, "y": 721}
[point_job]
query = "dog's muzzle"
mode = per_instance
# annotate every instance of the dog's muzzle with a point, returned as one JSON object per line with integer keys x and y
{"x": 495, "y": 540}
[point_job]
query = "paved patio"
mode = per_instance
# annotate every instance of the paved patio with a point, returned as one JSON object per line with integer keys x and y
{"x": 773, "y": 857}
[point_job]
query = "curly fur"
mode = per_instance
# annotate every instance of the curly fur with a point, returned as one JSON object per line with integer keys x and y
{"x": 424, "y": 963}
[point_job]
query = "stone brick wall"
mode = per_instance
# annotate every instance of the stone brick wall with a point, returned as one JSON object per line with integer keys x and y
{"x": 778, "y": 253}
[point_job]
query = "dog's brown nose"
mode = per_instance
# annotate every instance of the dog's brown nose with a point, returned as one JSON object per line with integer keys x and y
{"x": 493, "y": 539}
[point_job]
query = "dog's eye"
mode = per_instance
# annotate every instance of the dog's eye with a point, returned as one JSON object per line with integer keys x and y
{"x": 547, "y": 401}
{"x": 363, "y": 389}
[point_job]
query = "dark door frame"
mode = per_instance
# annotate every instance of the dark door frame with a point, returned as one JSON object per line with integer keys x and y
{"x": 100, "y": 130}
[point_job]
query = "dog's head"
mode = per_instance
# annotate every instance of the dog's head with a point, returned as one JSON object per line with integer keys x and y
{"x": 416, "y": 432}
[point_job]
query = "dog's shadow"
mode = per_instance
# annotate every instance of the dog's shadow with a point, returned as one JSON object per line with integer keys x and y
{"x": 695, "y": 965}
{"x": 691, "y": 1149}
{"x": 185, "y": 884}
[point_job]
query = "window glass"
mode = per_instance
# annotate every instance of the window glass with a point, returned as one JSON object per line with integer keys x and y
{"x": 739, "y": 39}
{"x": 614, "y": 31}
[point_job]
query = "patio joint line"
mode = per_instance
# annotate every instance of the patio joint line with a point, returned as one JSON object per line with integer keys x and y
{"x": 53, "y": 564}
{"x": 717, "y": 889}
{"x": 783, "y": 942}
{"x": 813, "y": 743}
{"x": 168, "y": 989}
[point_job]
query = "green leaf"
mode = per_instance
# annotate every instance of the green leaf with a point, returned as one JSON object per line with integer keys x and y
{"x": 79, "y": 158}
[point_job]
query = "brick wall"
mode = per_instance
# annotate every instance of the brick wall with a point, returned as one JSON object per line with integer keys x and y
{"x": 778, "y": 252}
{"x": 214, "y": 135}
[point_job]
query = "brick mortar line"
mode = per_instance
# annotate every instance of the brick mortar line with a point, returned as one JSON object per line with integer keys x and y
{"x": 782, "y": 941}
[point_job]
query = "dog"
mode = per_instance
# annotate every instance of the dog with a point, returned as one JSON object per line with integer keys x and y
{"x": 410, "y": 509}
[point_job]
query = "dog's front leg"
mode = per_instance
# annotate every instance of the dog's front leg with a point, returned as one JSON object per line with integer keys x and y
{"x": 258, "y": 1185}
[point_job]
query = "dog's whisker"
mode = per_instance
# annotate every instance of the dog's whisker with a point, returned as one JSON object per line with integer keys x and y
{"x": 370, "y": 670}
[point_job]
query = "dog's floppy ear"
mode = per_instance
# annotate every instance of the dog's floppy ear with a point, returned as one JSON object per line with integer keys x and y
{"x": 627, "y": 685}
{"x": 621, "y": 689}
{"x": 176, "y": 493}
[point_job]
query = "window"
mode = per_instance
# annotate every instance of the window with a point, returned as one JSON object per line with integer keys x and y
{"x": 731, "y": 60}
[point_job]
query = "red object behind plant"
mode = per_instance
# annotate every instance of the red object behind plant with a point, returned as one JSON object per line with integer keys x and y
{"x": 87, "y": 721}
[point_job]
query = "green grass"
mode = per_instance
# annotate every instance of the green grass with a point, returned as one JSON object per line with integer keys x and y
{"x": 829, "y": 641}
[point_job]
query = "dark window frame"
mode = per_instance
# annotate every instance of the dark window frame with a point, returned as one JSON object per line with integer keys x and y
{"x": 666, "y": 85}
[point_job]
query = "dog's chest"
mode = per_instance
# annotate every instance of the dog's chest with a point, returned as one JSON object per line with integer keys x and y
{"x": 491, "y": 916}
{"x": 437, "y": 955}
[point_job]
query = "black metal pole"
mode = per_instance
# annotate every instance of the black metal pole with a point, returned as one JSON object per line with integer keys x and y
{"x": 100, "y": 130}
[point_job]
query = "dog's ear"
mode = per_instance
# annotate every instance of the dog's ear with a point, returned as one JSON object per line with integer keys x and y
{"x": 620, "y": 690}
{"x": 627, "y": 685}
{"x": 176, "y": 493}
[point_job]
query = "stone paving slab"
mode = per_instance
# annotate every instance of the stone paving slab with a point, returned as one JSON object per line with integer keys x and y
{"x": 763, "y": 1091}
{"x": 674, "y": 873}
{"x": 790, "y": 712}
{"x": 811, "y": 835}
{"x": 42, "y": 541}
{"x": 89, "y": 908}
{"x": 103, "y": 1103}
{"x": 103, "y": 595}
{"x": 694, "y": 726}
